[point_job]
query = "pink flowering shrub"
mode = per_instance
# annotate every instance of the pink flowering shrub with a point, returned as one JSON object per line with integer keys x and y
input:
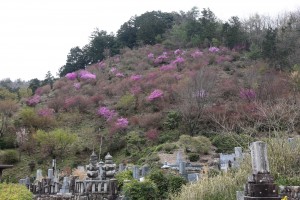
{"x": 179, "y": 60}
{"x": 177, "y": 52}
{"x": 197, "y": 54}
{"x": 122, "y": 123}
{"x": 85, "y": 75}
{"x": 71, "y": 76}
{"x": 155, "y": 95}
{"x": 247, "y": 94}
{"x": 113, "y": 70}
{"x": 106, "y": 113}
{"x": 120, "y": 75}
{"x": 77, "y": 86}
{"x": 213, "y": 49}
{"x": 150, "y": 56}
{"x": 152, "y": 134}
{"x": 167, "y": 67}
{"x": 161, "y": 59}
{"x": 135, "y": 77}
{"x": 32, "y": 101}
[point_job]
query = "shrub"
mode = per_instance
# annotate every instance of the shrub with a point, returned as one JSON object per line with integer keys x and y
{"x": 136, "y": 190}
{"x": 155, "y": 95}
{"x": 9, "y": 156}
{"x": 7, "y": 142}
{"x": 152, "y": 134}
{"x": 126, "y": 102}
{"x": 55, "y": 142}
{"x": 193, "y": 157}
{"x": 169, "y": 147}
{"x": 14, "y": 192}
{"x": 199, "y": 144}
{"x": 166, "y": 183}
{"x": 175, "y": 183}
{"x": 160, "y": 181}
{"x": 34, "y": 100}
{"x": 173, "y": 119}
{"x": 226, "y": 142}
{"x": 122, "y": 176}
{"x": 168, "y": 136}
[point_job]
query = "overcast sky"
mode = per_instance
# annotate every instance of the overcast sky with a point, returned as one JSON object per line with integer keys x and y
{"x": 37, "y": 35}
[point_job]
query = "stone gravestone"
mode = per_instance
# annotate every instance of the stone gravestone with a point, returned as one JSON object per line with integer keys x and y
{"x": 179, "y": 158}
{"x": 136, "y": 172}
{"x": 121, "y": 167}
{"x": 145, "y": 170}
{"x": 39, "y": 175}
{"x": 182, "y": 169}
{"x": 50, "y": 174}
{"x": 193, "y": 177}
{"x": 65, "y": 187}
{"x": 260, "y": 185}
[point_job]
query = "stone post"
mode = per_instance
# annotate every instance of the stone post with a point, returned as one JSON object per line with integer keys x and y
{"x": 136, "y": 172}
{"x": 145, "y": 170}
{"x": 121, "y": 167}
{"x": 182, "y": 170}
{"x": 260, "y": 185}
{"x": 259, "y": 158}
{"x": 50, "y": 174}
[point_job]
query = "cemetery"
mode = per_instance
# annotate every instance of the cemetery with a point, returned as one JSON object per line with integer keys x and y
{"x": 100, "y": 181}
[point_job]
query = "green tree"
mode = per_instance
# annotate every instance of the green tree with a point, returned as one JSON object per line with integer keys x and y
{"x": 7, "y": 109}
{"x": 76, "y": 60}
{"x": 34, "y": 84}
{"x": 49, "y": 79}
{"x": 151, "y": 24}
{"x": 269, "y": 44}
{"x": 233, "y": 33}
{"x": 56, "y": 142}
{"x": 100, "y": 41}
{"x": 127, "y": 34}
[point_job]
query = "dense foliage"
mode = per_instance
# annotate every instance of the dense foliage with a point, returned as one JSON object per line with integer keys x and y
{"x": 14, "y": 192}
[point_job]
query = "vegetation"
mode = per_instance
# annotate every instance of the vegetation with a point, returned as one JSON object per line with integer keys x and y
{"x": 14, "y": 192}
{"x": 165, "y": 81}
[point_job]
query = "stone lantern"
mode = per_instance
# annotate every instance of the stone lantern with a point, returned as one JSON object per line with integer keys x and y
{"x": 109, "y": 167}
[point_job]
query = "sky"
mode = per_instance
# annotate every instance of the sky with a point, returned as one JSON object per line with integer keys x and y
{"x": 37, "y": 35}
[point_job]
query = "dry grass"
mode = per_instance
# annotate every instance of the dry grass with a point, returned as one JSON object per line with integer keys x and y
{"x": 220, "y": 187}
{"x": 284, "y": 161}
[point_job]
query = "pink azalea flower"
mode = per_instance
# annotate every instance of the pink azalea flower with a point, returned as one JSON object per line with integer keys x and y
{"x": 113, "y": 70}
{"x": 135, "y": 77}
{"x": 106, "y": 113}
{"x": 151, "y": 56}
{"x": 155, "y": 94}
{"x": 197, "y": 54}
{"x": 122, "y": 123}
{"x": 167, "y": 67}
{"x": 119, "y": 74}
{"x": 71, "y": 76}
{"x": 77, "y": 85}
{"x": 213, "y": 49}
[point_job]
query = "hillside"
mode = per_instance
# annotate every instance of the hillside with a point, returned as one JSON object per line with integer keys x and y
{"x": 147, "y": 102}
{"x": 145, "y": 99}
